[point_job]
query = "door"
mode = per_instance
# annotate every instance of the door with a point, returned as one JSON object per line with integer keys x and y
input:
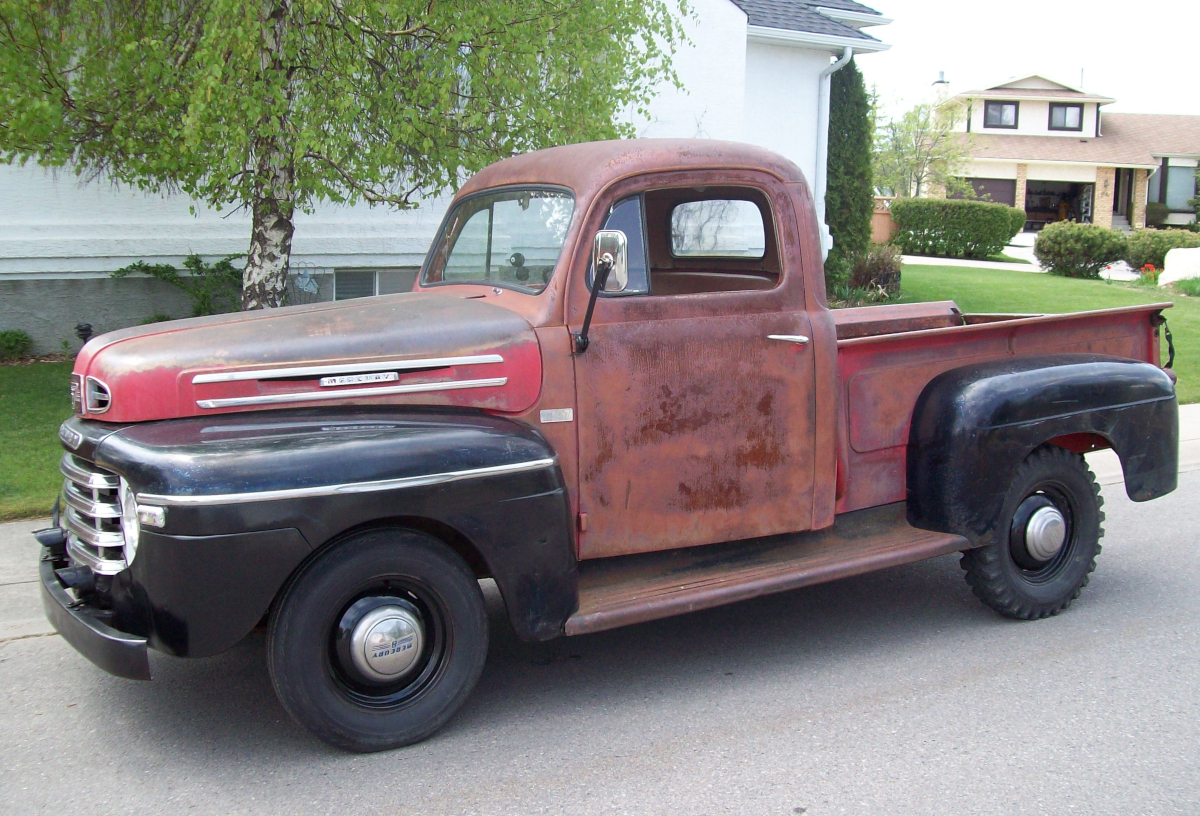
{"x": 695, "y": 394}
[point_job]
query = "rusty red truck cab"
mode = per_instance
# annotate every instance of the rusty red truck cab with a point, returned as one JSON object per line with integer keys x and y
{"x": 618, "y": 391}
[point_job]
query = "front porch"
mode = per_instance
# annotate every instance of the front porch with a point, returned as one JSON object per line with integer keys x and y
{"x": 1114, "y": 197}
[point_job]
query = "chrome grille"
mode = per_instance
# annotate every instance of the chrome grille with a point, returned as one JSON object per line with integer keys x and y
{"x": 92, "y": 515}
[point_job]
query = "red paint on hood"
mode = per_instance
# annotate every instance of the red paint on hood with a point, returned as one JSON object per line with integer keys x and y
{"x": 150, "y": 371}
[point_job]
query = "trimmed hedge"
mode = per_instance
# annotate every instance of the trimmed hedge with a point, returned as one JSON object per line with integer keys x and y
{"x": 1151, "y": 246}
{"x": 954, "y": 228}
{"x": 1018, "y": 221}
{"x": 1078, "y": 250}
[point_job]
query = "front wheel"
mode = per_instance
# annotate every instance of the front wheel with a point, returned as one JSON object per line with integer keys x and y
{"x": 377, "y": 642}
{"x": 1047, "y": 542}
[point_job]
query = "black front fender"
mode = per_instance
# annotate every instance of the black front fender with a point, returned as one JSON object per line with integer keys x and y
{"x": 237, "y": 487}
{"x": 973, "y": 426}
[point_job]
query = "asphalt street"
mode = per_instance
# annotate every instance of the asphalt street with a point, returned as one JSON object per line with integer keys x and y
{"x": 891, "y": 693}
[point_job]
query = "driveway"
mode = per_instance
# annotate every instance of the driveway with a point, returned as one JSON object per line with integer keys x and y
{"x": 890, "y": 693}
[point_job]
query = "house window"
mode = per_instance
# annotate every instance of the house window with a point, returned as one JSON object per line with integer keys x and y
{"x": 1066, "y": 117}
{"x": 1000, "y": 115}
{"x": 1181, "y": 188}
{"x": 354, "y": 283}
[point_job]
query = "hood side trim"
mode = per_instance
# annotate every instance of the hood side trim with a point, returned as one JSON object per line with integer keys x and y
{"x": 346, "y": 368}
{"x": 350, "y": 393}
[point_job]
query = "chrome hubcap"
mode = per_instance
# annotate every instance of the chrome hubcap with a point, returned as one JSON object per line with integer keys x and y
{"x": 386, "y": 643}
{"x": 1045, "y": 533}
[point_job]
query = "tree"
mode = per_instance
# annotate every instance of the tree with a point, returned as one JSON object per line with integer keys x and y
{"x": 923, "y": 150}
{"x": 849, "y": 194}
{"x": 275, "y": 105}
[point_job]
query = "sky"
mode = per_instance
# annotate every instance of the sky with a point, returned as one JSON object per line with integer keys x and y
{"x": 1143, "y": 54}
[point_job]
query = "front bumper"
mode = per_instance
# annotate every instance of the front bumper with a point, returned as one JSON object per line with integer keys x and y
{"x": 118, "y": 653}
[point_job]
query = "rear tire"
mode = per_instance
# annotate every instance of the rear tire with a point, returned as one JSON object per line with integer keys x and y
{"x": 423, "y": 606}
{"x": 1017, "y": 574}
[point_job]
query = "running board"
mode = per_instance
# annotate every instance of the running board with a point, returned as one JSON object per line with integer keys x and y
{"x": 636, "y": 588}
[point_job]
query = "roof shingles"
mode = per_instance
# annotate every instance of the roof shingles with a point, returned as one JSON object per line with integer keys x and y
{"x": 1126, "y": 140}
{"x": 802, "y": 15}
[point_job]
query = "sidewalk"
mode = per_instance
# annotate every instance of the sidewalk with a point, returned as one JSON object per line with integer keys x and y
{"x": 21, "y": 607}
{"x": 921, "y": 260}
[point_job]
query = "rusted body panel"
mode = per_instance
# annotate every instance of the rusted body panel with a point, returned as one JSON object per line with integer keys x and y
{"x": 881, "y": 377}
{"x": 692, "y": 421}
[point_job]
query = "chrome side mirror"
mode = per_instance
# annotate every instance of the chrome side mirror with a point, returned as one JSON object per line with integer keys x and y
{"x": 611, "y": 250}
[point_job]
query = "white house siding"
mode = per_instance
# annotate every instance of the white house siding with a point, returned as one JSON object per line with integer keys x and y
{"x": 990, "y": 169}
{"x": 782, "y": 86}
{"x": 1051, "y": 171}
{"x": 60, "y": 240}
{"x": 55, "y": 230}
{"x": 712, "y": 69}
{"x": 1043, "y": 171}
{"x": 1033, "y": 119}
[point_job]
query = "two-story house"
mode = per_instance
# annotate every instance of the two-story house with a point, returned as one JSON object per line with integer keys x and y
{"x": 1053, "y": 151}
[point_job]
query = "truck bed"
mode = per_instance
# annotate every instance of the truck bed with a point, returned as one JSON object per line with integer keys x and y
{"x": 888, "y": 354}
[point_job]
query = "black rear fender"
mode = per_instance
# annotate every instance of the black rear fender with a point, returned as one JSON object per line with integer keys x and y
{"x": 973, "y": 426}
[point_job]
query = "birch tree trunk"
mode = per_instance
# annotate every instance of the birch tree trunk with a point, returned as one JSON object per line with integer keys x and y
{"x": 264, "y": 281}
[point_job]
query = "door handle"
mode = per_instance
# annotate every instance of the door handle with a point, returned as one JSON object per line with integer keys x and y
{"x": 798, "y": 339}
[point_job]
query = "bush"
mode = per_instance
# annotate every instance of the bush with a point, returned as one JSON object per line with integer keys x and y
{"x": 1156, "y": 213}
{"x": 214, "y": 288}
{"x": 953, "y": 228}
{"x": 14, "y": 343}
{"x": 877, "y": 268}
{"x": 1189, "y": 286}
{"x": 1152, "y": 246}
{"x": 1018, "y": 221}
{"x": 1078, "y": 250}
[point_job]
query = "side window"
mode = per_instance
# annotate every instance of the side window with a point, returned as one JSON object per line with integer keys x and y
{"x": 626, "y": 216}
{"x": 717, "y": 228}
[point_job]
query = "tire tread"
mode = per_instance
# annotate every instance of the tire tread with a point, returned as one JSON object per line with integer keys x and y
{"x": 984, "y": 566}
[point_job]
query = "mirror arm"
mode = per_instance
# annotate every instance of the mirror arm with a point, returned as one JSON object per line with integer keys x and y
{"x": 602, "y": 269}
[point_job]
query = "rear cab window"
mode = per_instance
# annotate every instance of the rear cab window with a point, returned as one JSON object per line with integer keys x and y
{"x": 687, "y": 241}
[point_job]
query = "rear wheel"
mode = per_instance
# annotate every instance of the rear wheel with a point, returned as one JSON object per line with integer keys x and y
{"x": 377, "y": 642}
{"x": 1047, "y": 543}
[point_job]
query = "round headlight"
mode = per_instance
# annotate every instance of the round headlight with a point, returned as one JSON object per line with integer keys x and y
{"x": 130, "y": 527}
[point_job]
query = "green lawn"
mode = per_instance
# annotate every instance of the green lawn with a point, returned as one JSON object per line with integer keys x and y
{"x": 989, "y": 290}
{"x": 34, "y": 399}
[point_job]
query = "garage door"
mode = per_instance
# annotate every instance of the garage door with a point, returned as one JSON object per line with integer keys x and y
{"x": 1001, "y": 191}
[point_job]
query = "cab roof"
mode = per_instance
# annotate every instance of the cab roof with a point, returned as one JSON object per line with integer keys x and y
{"x": 590, "y": 166}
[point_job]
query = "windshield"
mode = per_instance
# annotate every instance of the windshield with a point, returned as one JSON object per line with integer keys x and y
{"x": 510, "y": 238}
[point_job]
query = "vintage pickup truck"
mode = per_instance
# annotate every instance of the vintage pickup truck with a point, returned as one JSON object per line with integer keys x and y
{"x": 617, "y": 391}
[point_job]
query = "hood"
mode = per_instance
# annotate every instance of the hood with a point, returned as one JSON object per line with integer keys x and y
{"x": 413, "y": 348}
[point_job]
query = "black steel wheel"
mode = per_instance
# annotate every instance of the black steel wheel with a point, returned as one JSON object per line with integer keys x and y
{"x": 379, "y": 640}
{"x": 1046, "y": 546}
